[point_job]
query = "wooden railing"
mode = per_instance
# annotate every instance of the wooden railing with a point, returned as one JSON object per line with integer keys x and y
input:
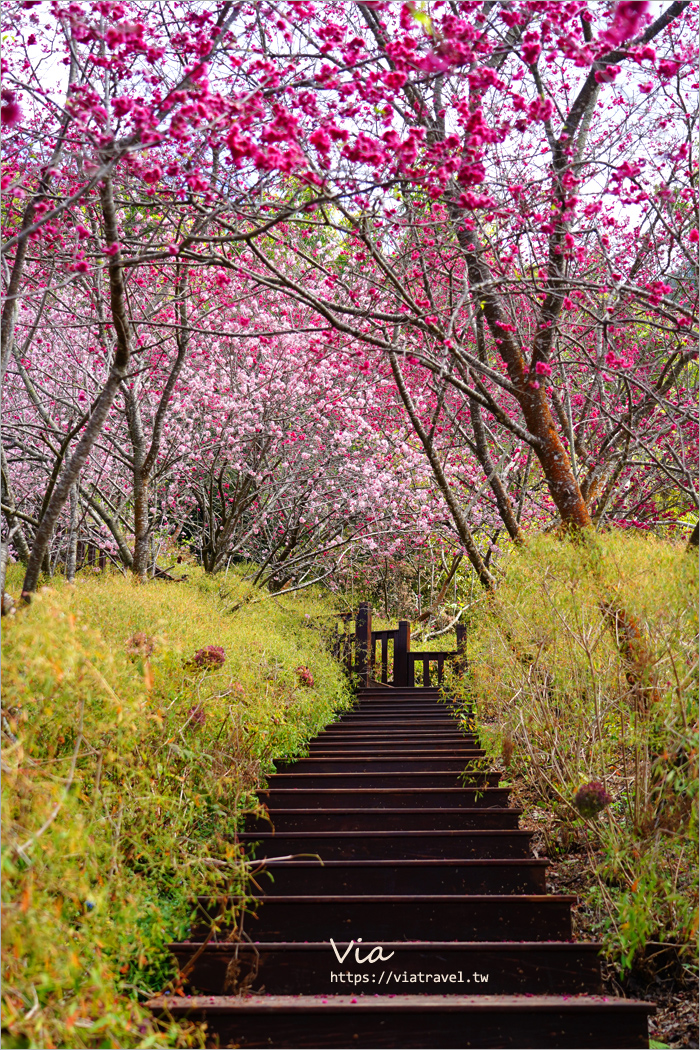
{"x": 358, "y": 652}
{"x": 89, "y": 554}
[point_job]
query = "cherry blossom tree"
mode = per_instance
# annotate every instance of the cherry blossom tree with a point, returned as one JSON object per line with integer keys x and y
{"x": 257, "y": 446}
{"x": 137, "y": 107}
{"x": 533, "y": 246}
{"x": 286, "y": 464}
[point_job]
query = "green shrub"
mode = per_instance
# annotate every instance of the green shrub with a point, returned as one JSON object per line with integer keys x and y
{"x": 127, "y": 768}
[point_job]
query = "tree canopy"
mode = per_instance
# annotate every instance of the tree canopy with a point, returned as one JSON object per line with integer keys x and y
{"x": 293, "y": 279}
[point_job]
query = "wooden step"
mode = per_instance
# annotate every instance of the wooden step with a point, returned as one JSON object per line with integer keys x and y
{"x": 401, "y": 708}
{"x": 387, "y": 744}
{"x": 403, "y": 703}
{"x": 397, "y": 710}
{"x": 387, "y": 720}
{"x": 308, "y": 819}
{"x": 369, "y": 749}
{"x": 416, "y": 1021}
{"x": 401, "y": 711}
{"x": 291, "y": 968}
{"x": 391, "y": 737}
{"x": 426, "y": 877}
{"x": 425, "y": 779}
{"x": 385, "y": 798}
{"x": 396, "y": 724}
{"x": 402, "y": 690}
{"x": 429, "y": 696}
{"x": 408, "y": 736}
{"x": 428, "y": 719}
{"x": 384, "y": 845}
{"x": 396, "y": 917}
{"x": 405, "y": 762}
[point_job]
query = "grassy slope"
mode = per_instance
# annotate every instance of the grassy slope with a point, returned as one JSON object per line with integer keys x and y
{"x": 125, "y": 775}
{"x": 569, "y": 695}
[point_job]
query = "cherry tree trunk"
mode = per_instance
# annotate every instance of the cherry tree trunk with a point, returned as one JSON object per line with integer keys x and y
{"x": 72, "y": 554}
{"x": 66, "y": 481}
{"x": 141, "y": 529}
{"x": 553, "y": 457}
{"x": 93, "y": 428}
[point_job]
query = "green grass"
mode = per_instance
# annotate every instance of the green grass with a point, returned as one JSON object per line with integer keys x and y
{"x": 126, "y": 774}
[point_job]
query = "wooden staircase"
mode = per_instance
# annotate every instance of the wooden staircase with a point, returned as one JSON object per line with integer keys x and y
{"x": 425, "y": 922}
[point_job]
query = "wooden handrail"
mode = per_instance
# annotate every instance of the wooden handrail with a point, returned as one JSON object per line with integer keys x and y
{"x": 384, "y": 637}
{"x": 358, "y": 652}
{"x": 426, "y": 658}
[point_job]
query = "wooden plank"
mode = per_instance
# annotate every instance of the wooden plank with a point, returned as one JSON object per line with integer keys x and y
{"x": 383, "y": 798}
{"x": 401, "y": 917}
{"x": 418, "y": 1021}
{"x": 382, "y": 845}
{"x": 290, "y": 968}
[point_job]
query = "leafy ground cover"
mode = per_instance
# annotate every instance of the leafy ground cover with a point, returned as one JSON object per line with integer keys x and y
{"x": 583, "y": 669}
{"x": 130, "y": 751}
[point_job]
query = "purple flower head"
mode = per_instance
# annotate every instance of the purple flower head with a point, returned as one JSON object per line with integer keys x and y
{"x": 209, "y": 656}
{"x": 304, "y": 676}
{"x": 591, "y": 799}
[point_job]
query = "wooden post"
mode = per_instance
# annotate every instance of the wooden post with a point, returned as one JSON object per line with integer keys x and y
{"x": 348, "y": 642}
{"x": 385, "y": 656}
{"x": 402, "y": 647}
{"x": 461, "y": 661}
{"x": 363, "y": 643}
